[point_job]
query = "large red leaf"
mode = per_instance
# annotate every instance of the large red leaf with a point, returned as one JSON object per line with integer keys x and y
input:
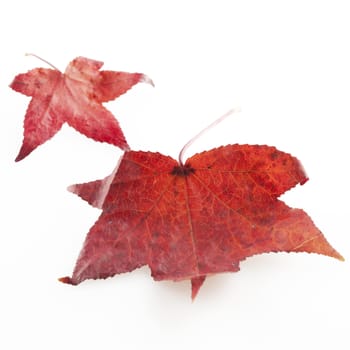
{"x": 74, "y": 97}
{"x": 189, "y": 221}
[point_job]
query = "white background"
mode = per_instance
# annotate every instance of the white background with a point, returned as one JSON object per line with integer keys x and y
{"x": 286, "y": 63}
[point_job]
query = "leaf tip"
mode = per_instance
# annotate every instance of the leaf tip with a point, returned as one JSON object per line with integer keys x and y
{"x": 72, "y": 188}
{"x": 66, "y": 280}
{"x": 25, "y": 150}
{"x": 196, "y": 284}
{"x": 339, "y": 256}
{"x": 304, "y": 180}
{"x": 21, "y": 155}
{"x": 146, "y": 79}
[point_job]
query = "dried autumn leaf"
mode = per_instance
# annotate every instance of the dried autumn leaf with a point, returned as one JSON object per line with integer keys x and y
{"x": 74, "y": 97}
{"x": 197, "y": 219}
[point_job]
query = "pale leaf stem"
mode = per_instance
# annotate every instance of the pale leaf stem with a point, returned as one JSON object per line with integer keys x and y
{"x": 41, "y": 59}
{"x": 216, "y": 122}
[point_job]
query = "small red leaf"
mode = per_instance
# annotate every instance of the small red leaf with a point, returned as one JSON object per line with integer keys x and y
{"x": 197, "y": 219}
{"x": 74, "y": 97}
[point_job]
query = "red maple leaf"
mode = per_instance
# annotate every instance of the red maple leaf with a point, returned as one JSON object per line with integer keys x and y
{"x": 188, "y": 221}
{"x": 74, "y": 97}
